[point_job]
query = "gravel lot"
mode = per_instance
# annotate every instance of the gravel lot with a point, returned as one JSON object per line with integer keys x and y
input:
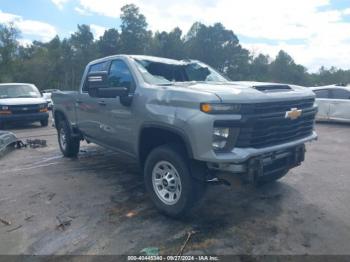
{"x": 97, "y": 204}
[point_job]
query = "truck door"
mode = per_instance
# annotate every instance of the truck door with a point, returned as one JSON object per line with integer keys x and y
{"x": 119, "y": 123}
{"x": 340, "y": 104}
{"x": 323, "y": 101}
{"x": 89, "y": 110}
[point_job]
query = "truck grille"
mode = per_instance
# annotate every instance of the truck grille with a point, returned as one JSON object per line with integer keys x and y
{"x": 265, "y": 133}
{"x": 265, "y": 124}
{"x": 24, "y": 109}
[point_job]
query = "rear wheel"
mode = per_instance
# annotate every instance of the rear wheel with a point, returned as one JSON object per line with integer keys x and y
{"x": 68, "y": 143}
{"x": 169, "y": 182}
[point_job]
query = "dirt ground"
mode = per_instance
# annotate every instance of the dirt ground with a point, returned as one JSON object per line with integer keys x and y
{"x": 96, "y": 204}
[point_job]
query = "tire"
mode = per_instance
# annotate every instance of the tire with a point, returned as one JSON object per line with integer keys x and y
{"x": 272, "y": 178}
{"x": 69, "y": 145}
{"x": 44, "y": 122}
{"x": 172, "y": 189}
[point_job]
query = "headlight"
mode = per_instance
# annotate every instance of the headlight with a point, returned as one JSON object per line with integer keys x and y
{"x": 211, "y": 108}
{"x": 42, "y": 106}
{"x": 224, "y": 138}
{"x": 4, "y": 110}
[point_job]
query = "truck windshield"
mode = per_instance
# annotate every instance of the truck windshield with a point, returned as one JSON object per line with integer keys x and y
{"x": 18, "y": 91}
{"x": 165, "y": 73}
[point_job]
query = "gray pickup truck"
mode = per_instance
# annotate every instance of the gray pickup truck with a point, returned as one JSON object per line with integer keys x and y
{"x": 187, "y": 125}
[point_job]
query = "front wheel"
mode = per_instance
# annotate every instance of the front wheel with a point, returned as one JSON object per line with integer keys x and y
{"x": 69, "y": 144}
{"x": 169, "y": 182}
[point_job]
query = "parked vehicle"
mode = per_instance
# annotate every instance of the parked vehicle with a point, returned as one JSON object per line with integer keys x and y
{"x": 186, "y": 124}
{"x": 333, "y": 103}
{"x": 22, "y": 103}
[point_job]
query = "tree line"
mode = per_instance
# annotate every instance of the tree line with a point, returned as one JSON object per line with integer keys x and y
{"x": 59, "y": 63}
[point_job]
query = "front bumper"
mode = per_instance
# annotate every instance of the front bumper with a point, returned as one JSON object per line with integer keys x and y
{"x": 265, "y": 165}
{"x": 240, "y": 155}
{"x": 32, "y": 117}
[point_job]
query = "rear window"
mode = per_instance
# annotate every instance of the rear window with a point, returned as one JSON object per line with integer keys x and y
{"x": 99, "y": 67}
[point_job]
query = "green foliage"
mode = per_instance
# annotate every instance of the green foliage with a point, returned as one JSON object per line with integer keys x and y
{"x": 8, "y": 48}
{"x": 134, "y": 37}
{"x": 60, "y": 62}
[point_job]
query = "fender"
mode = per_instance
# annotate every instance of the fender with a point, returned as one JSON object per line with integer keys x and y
{"x": 168, "y": 128}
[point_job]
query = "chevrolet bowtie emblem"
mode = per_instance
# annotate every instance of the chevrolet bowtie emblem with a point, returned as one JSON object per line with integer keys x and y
{"x": 293, "y": 114}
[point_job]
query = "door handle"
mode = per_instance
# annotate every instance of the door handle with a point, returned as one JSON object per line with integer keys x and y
{"x": 78, "y": 101}
{"x": 102, "y": 103}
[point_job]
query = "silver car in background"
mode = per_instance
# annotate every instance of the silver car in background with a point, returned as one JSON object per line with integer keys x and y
{"x": 47, "y": 93}
{"x": 333, "y": 103}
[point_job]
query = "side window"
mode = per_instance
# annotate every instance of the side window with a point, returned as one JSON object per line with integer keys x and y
{"x": 99, "y": 67}
{"x": 96, "y": 68}
{"x": 340, "y": 94}
{"x": 323, "y": 93}
{"x": 120, "y": 75}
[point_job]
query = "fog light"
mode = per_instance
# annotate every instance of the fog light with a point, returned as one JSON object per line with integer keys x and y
{"x": 220, "y": 137}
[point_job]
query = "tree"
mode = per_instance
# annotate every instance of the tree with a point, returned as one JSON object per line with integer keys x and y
{"x": 60, "y": 63}
{"x": 284, "y": 69}
{"x": 84, "y": 50}
{"x": 8, "y": 48}
{"x": 218, "y": 47}
{"x": 259, "y": 69}
{"x": 168, "y": 45}
{"x": 134, "y": 37}
{"x": 109, "y": 43}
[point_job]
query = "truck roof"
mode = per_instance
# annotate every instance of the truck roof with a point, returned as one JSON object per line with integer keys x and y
{"x": 145, "y": 57}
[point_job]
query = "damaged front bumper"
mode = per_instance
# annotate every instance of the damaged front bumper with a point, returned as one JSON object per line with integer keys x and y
{"x": 240, "y": 155}
{"x": 256, "y": 163}
{"x": 268, "y": 164}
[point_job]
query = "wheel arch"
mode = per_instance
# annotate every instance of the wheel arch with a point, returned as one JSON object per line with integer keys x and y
{"x": 153, "y": 135}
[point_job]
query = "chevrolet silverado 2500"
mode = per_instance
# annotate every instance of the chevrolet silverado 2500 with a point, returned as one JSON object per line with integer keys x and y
{"x": 186, "y": 124}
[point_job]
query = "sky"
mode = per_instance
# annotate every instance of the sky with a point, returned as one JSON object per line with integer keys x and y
{"x": 314, "y": 32}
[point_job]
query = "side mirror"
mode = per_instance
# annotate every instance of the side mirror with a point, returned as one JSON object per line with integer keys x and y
{"x": 97, "y": 86}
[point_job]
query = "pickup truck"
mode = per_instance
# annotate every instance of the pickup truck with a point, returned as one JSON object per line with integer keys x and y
{"x": 186, "y": 124}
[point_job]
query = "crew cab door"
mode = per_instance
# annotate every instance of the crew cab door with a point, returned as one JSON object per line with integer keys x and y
{"x": 90, "y": 113}
{"x": 339, "y": 104}
{"x": 323, "y": 101}
{"x": 119, "y": 124}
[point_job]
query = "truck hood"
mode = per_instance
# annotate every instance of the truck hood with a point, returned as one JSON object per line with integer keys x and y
{"x": 252, "y": 92}
{"x": 22, "y": 101}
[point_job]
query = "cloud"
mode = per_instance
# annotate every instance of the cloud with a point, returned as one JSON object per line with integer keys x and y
{"x": 81, "y": 11}
{"x": 320, "y": 27}
{"x": 59, "y": 3}
{"x": 30, "y": 28}
{"x": 97, "y": 30}
{"x": 346, "y": 11}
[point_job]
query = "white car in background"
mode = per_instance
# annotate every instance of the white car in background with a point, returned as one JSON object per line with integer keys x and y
{"x": 47, "y": 96}
{"x": 333, "y": 103}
